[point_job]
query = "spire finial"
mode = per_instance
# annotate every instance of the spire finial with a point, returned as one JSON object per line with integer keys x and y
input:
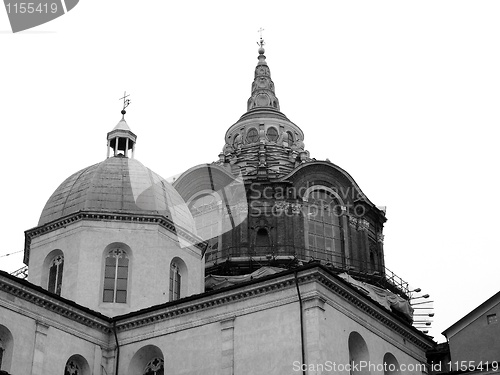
{"x": 261, "y": 42}
{"x": 126, "y": 103}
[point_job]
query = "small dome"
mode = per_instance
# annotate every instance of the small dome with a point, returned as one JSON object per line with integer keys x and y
{"x": 117, "y": 185}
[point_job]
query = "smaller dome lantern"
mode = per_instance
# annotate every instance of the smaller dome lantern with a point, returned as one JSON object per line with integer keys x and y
{"x": 121, "y": 138}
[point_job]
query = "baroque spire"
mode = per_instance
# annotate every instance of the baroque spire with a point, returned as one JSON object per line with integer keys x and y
{"x": 262, "y": 87}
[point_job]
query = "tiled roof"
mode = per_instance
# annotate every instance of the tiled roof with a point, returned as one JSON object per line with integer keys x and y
{"x": 117, "y": 185}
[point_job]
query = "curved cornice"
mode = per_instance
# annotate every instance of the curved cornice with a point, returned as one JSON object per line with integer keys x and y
{"x": 328, "y": 164}
{"x": 203, "y": 177}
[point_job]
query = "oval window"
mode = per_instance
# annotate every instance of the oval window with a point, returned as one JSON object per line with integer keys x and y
{"x": 272, "y": 134}
{"x": 252, "y": 135}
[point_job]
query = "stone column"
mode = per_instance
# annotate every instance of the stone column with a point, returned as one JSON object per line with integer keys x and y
{"x": 39, "y": 348}
{"x": 97, "y": 360}
{"x": 313, "y": 311}
{"x": 227, "y": 332}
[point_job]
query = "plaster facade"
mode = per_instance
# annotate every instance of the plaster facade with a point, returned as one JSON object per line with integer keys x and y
{"x": 117, "y": 263}
{"x": 249, "y": 329}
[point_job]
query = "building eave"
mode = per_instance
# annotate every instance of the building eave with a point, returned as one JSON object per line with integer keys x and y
{"x": 38, "y": 296}
{"x": 308, "y": 273}
{"x": 132, "y": 217}
{"x": 472, "y": 316}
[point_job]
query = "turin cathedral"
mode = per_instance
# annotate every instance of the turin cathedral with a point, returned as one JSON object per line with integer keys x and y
{"x": 265, "y": 261}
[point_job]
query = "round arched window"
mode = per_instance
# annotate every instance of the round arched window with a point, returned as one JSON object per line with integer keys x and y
{"x": 72, "y": 368}
{"x": 289, "y": 138}
{"x": 272, "y": 134}
{"x": 154, "y": 367}
{"x": 324, "y": 227}
{"x": 252, "y": 135}
{"x": 116, "y": 276}
{"x": 236, "y": 140}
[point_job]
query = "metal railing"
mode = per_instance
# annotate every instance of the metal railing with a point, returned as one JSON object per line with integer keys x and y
{"x": 288, "y": 256}
{"x": 22, "y": 272}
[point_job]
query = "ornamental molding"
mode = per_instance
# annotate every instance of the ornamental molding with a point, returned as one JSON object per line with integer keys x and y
{"x": 362, "y": 305}
{"x": 353, "y": 222}
{"x": 313, "y": 275}
{"x": 225, "y": 319}
{"x": 166, "y": 313}
{"x": 99, "y": 216}
{"x": 52, "y": 304}
{"x": 359, "y": 223}
{"x": 195, "y": 304}
{"x": 281, "y": 206}
{"x": 44, "y": 321}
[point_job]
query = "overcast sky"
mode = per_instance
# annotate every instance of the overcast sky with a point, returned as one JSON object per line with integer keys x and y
{"x": 402, "y": 95}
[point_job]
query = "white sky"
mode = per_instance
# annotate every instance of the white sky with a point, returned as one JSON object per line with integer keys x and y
{"x": 402, "y": 95}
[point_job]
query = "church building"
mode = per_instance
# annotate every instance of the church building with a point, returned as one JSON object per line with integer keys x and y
{"x": 264, "y": 261}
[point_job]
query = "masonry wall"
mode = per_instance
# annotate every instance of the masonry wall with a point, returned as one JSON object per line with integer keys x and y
{"x": 479, "y": 341}
{"x": 44, "y": 340}
{"x": 151, "y": 250}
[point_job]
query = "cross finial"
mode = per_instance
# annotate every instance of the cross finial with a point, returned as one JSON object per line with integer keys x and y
{"x": 261, "y": 42}
{"x": 126, "y": 102}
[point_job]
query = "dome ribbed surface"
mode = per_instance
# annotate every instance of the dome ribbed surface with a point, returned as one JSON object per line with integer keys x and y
{"x": 117, "y": 185}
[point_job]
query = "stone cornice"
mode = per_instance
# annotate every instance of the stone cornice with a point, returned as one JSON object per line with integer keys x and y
{"x": 378, "y": 313}
{"x": 24, "y": 290}
{"x": 201, "y": 302}
{"x": 306, "y": 275}
{"x": 274, "y": 283}
{"x": 131, "y": 217}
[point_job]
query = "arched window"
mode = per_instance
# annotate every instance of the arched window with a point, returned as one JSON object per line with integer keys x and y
{"x": 147, "y": 360}
{"x": 2, "y": 350}
{"x": 237, "y": 140}
{"x": 72, "y": 368}
{"x": 272, "y": 134}
{"x": 116, "y": 276}
{"x": 324, "y": 227}
{"x": 76, "y": 365}
{"x": 6, "y": 348}
{"x": 55, "y": 275}
{"x": 358, "y": 354}
{"x": 262, "y": 241}
{"x": 178, "y": 285}
{"x": 289, "y": 138}
{"x": 391, "y": 365}
{"x": 252, "y": 135}
{"x": 175, "y": 282}
{"x": 154, "y": 367}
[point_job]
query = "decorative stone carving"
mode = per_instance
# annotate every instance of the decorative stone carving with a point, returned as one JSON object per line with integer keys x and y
{"x": 363, "y": 224}
{"x": 238, "y": 141}
{"x": 353, "y": 222}
{"x": 298, "y": 145}
{"x": 281, "y": 206}
{"x": 228, "y": 149}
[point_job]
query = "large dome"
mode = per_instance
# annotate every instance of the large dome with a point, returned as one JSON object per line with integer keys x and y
{"x": 117, "y": 185}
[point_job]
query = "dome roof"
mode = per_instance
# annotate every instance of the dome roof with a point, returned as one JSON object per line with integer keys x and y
{"x": 117, "y": 185}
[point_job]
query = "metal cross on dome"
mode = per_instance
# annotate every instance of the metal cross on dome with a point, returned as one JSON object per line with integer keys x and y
{"x": 261, "y": 42}
{"x": 126, "y": 101}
